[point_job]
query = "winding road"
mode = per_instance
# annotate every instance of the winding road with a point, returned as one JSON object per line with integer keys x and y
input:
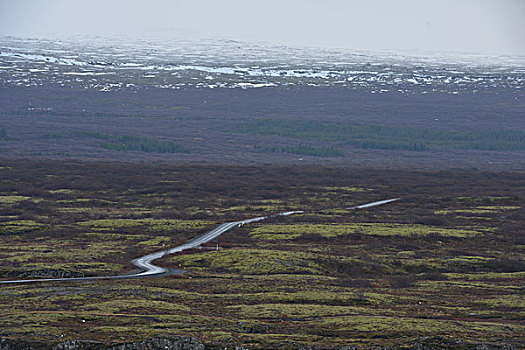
{"x": 145, "y": 262}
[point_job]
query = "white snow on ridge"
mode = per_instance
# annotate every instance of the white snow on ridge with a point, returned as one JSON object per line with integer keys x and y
{"x": 50, "y": 59}
{"x": 257, "y": 85}
{"x": 229, "y": 64}
{"x": 79, "y": 73}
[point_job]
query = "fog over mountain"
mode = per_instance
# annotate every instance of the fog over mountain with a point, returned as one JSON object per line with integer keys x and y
{"x": 491, "y": 27}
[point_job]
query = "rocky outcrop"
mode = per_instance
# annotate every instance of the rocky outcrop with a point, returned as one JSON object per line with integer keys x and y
{"x": 78, "y": 345}
{"x": 155, "y": 343}
{"x": 8, "y": 344}
{"x": 441, "y": 343}
{"x": 187, "y": 343}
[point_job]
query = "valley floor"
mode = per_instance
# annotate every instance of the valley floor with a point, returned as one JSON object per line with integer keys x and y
{"x": 446, "y": 260}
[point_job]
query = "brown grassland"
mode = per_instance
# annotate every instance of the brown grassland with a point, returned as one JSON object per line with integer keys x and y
{"x": 446, "y": 260}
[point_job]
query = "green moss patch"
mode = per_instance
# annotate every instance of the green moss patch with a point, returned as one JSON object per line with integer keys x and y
{"x": 19, "y": 226}
{"x": 272, "y": 232}
{"x": 348, "y": 189}
{"x": 6, "y": 200}
{"x": 486, "y": 209}
{"x": 156, "y": 225}
{"x": 252, "y": 261}
{"x": 294, "y": 311}
{"x": 134, "y": 305}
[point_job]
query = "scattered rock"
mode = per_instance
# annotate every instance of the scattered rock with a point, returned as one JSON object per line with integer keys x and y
{"x": 42, "y": 273}
{"x": 253, "y": 328}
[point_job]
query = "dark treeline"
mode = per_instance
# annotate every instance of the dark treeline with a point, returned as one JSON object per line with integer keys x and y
{"x": 304, "y": 150}
{"x": 389, "y": 137}
{"x": 136, "y": 143}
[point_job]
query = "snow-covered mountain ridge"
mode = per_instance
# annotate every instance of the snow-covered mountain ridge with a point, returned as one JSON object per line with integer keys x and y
{"x": 109, "y": 65}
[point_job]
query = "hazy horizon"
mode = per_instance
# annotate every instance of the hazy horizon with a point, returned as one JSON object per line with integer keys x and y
{"x": 485, "y": 27}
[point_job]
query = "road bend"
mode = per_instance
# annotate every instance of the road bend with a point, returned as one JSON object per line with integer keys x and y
{"x": 145, "y": 263}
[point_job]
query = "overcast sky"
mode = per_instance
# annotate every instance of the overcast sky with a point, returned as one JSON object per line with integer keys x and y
{"x": 480, "y": 26}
